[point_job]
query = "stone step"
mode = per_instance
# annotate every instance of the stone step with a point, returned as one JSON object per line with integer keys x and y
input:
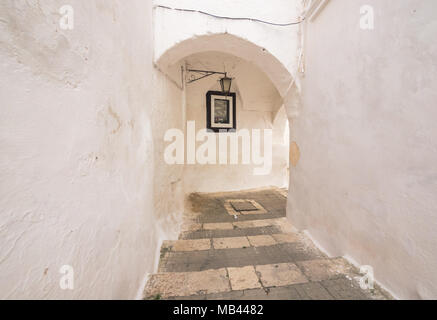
{"x": 245, "y": 241}
{"x": 341, "y": 288}
{"x": 192, "y": 230}
{"x": 249, "y": 254}
{"x": 225, "y": 233}
{"x": 216, "y": 253}
{"x": 313, "y": 279}
{"x": 216, "y": 208}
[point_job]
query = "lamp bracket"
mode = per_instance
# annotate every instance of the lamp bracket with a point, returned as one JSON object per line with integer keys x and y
{"x": 202, "y": 74}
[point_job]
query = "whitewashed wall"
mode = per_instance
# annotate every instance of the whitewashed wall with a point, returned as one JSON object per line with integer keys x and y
{"x": 168, "y": 195}
{"x": 274, "y": 49}
{"x": 76, "y": 144}
{"x": 257, "y": 102}
{"x": 365, "y": 185}
{"x": 82, "y": 183}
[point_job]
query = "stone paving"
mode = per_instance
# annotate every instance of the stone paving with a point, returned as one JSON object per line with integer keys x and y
{"x": 239, "y": 245}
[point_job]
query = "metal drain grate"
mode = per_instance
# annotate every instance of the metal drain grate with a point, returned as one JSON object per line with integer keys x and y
{"x": 243, "y": 206}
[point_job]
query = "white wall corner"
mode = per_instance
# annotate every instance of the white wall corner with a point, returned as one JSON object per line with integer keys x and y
{"x": 140, "y": 292}
{"x": 315, "y": 7}
{"x": 357, "y": 265}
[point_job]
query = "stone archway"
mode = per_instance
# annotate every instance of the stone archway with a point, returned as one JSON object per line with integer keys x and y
{"x": 280, "y": 76}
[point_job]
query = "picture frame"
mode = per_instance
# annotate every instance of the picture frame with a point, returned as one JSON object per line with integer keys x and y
{"x": 221, "y": 111}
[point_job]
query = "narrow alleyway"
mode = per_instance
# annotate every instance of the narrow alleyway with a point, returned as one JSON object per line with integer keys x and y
{"x": 239, "y": 245}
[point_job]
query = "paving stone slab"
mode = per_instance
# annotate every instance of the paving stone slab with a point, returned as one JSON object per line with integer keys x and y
{"x": 344, "y": 289}
{"x": 281, "y": 274}
{"x": 187, "y": 284}
{"x": 218, "y": 226}
{"x": 213, "y": 218}
{"x": 261, "y": 240}
{"x": 230, "y": 243}
{"x": 191, "y": 245}
{"x": 203, "y": 234}
{"x": 190, "y": 226}
{"x": 286, "y": 237}
{"x": 239, "y": 257}
{"x": 312, "y": 291}
{"x": 324, "y": 269}
{"x": 306, "y": 291}
{"x": 243, "y": 278}
{"x": 255, "y": 223}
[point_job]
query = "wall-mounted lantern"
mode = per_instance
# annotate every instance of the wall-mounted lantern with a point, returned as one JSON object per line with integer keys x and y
{"x": 225, "y": 82}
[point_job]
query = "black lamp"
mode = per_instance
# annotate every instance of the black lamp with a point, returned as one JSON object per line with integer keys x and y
{"x": 226, "y": 83}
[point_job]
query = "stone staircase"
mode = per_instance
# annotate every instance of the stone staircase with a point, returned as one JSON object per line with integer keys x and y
{"x": 231, "y": 250}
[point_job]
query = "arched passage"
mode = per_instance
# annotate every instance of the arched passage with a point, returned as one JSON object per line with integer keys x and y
{"x": 280, "y": 76}
{"x": 225, "y": 46}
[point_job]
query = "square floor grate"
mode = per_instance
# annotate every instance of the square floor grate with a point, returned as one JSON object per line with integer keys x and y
{"x": 235, "y": 207}
{"x": 243, "y": 206}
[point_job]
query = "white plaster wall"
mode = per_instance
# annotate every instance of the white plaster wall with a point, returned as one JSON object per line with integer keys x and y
{"x": 167, "y": 113}
{"x": 257, "y": 100}
{"x": 76, "y": 145}
{"x": 281, "y": 147}
{"x": 282, "y": 43}
{"x": 365, "y": 185}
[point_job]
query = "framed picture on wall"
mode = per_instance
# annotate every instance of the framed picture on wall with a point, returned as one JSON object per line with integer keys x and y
{"x": 221, "y": 111}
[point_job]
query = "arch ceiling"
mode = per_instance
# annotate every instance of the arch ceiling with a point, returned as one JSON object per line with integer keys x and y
{"x": 227, "y": 43}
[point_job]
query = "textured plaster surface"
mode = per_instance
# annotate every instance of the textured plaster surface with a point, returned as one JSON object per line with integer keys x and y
{"x": 365, "y": 185}
{"x": 76, "y": 144}
{"x": 168, "y": 185}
